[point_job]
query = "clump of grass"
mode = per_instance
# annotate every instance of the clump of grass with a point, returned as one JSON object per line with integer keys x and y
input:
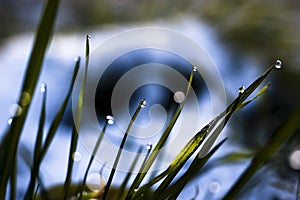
{"x": 171, "y": 182}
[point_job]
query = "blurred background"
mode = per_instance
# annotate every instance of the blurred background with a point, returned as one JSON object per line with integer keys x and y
{"x": 242, "y": 37}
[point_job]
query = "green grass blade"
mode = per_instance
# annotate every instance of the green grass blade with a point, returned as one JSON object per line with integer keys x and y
{"x": 121, "y": 190}
{"x": 58, "y": 117}
{"x": 10, "y": 142}
{"x": 13, "y": 180}
{"x": 175, "y": 189}
{"x": 76, "y": 126}
{"x": 113, "y": 170}
{"x": 80, "y": 190}
{"x": 139, "y": 178}
{"x": 37, "y": 149}
{"x": 262, "y": 156}
{"x": 210, "y": 133}
{"x": 73, "y": 145}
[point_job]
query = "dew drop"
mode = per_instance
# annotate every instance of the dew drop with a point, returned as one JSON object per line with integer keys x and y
{"x": 88, "y": 37}
{"x": 294, "y": 160}
{"x": 25, "y": 98}
{"x": 76, "y": 156}
{"x": 15, "y": 110}
{"x": 179, "y": 97}
{"x": 214, "y": 187}
{"x": 149, "y": 146}
{"x": 93, "y": 182}
{"x": 43, "y": 87}
{"x": 136, "y": 190}
{"x": 77, "y": 58}
{"x": 110, "y": 119}
{"x": 195, "y": 69}
{"x": 242, "y": 89}
{"x": 9, "y": 121}
{"x": 143, "y": 103}
{"x": 278, "y": 64}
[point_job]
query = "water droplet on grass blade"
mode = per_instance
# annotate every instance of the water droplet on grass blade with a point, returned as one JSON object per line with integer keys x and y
{"x": 9, "y": 121}
{"x": 143, "y": 103}
{"x": 278, "y": 64}
{"x": 77, "y": 58}
{"x": 179, "y": 97}
{"x": 242, "y": 89}
{"x": 294, "y": 160}
{"x": 214, "y": 187}
{"x": 110, "y": 119}
{"x": 43, "y": 87}
{"x": 76, "y": 156}
{"x": 24, "y": 99}
{"x": 149, "y": 146}
{"x": 15, "y": 110}
{"x": 194, "y": 69}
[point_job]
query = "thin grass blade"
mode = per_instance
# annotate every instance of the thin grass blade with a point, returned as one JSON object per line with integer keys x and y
{"x": 121, "y": 191}
{"x": 139, "y": 178}
{"x": 262, "y": 156}
{"x": 175, "y": 189}
{"x": 37, "y": 149}
{"x": 76, "y": 126}
{"x": 10, "y": 142}
{"x": 80, "y": 190}
{"x": 113, "y": 170}
{"x": 58, "y": 117}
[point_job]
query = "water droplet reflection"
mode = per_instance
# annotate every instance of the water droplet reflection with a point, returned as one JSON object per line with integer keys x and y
{"x": 76, "y": 156}
{"x": 179, "y": 97}
{"x": 15, "y": 110}
{"x": 110, "y": 119}
{"x": 25, "y": 99}
{"x": 43, "y": 87}
{"x": 242, "y": 89}
{"x": 214, "y": 187}
{"x": 136, "y": 190}
{"x": 294, "y": 160}
{"x": 194, "y": 69}
{"x": 278, "y": 64}
{"x": 9, "y": 121}
{"x": 77, "y": 58}
{"x": 93, "y": 182}
{"x": 149, "y": 146}
{"x": 143, "y": 103}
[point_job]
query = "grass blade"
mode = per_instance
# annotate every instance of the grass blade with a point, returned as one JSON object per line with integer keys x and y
{"x": 78, "y": 115}
{"x": 10, "y": 142}
{"x": 121, "y": 190}
{"x": 113, "y": 170}
{"x": 13, "y": 180}
{"x": 205, "y": 138}
{"x": 37, "y": 149}
{"x": 197, "y": 164}
{"x": 80, "y": 190}
{"x": 73, "y": 145}
{"x": 58, "y": 117}
{"x": 262, "y": 156}
{"x": 139, "y": 178}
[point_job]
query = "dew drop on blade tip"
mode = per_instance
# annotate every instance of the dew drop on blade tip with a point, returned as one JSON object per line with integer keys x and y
{"x": 77, "y": 58}
{"x": 149, "y": 146}
{"x": 194, "y": 69}
{"x": 278, "y": 64}
{"x": 110, "y": 119}
{"x": 242, "y": 89}
{"x": 43, "y": 87}
{"x": 9, "y": 121}
{"x": 143, "y": 103}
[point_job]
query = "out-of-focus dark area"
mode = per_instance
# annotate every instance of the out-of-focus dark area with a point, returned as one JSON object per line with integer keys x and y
{"x": 260, "y": 31}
